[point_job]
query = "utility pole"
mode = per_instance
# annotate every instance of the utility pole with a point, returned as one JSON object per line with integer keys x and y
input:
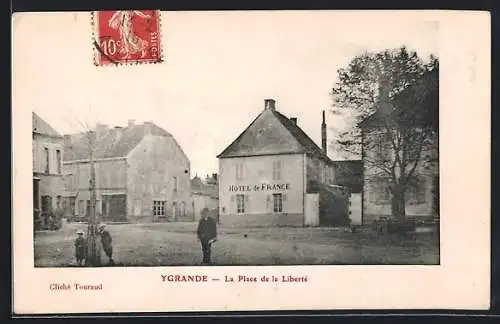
{"x": 93, "y": 256}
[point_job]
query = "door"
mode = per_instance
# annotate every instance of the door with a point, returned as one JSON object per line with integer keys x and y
{"x": 36, "y": 198}
{"x": 117, "y": 207}
{"x": 46, "y": 204}
{"x": 104, "y": 207}
{"x": 435, "y": 196}
{"x": 175, "y": 211}
{"x": 137, "y": 207}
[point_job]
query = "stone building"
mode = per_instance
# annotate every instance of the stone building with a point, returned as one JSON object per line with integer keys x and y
{"x": 48, "y": 150}
{"x": 141, "y": 174}
{"x": 205, "y": 194}
{"x": 412, "y": 110}
{"x": 269, "y": 172}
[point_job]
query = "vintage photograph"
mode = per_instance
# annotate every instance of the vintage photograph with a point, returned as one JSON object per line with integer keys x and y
{"x": 273, "y": 142}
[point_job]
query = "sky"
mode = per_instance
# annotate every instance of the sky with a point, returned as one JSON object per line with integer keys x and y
{"x": 218, "y": 69}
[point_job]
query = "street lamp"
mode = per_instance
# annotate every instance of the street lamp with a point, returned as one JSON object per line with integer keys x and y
{"x": 93, "y": 255}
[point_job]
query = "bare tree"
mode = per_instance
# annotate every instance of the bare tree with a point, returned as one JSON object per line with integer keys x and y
{"x": 391, "y": 97}
{"x": 89, "y": 138}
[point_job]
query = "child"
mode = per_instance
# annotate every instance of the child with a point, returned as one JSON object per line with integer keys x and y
{"x": 106, "y": 243}
{"x": 80, "y": 248}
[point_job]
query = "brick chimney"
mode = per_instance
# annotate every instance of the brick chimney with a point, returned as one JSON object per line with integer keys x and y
{"x": 67, "y": 141}
{"x": 294, "y": 120}
{"x": 269, "y": 104}
{"x": 323, "y": 134}
{"x": 148, "y": 126}
{"x": 101, "y": 130}
{"x": 117, "y": 132}
{"x": 383, "y": 97}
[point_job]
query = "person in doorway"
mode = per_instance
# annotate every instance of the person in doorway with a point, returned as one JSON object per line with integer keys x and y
{"x": 106, "y": 241}
{"x": 80, "y": 248}
{"x": 207, "y": 234}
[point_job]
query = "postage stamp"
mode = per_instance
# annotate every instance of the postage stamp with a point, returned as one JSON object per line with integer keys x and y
{"x": 126, "y": 37}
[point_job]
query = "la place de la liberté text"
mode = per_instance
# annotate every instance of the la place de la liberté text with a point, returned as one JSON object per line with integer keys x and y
{"x": 234, "y": 279}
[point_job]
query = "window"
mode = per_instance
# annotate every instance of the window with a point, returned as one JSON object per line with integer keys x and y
{"x": 46, "y": 204}
{"x": 240, "y": 203}
{"x": 175, "y": 210}
{"x": 81, "y": 207}
{"x": 159, "y": 208}
{"x": 277, "y": 170}
{"x": 47, "y": 160}
{"x": 415, "y": 192}
{"x": 239, "y": 171}
{"x": 71, "y": 206}
{"x": 383, "y": 145}
{"x": 412, "y": 151}
{"x": 59, "y": 161}
{"x": 380, "y": 194}
{"x": 278, "y": 202}
{"x": 331, "y": 175}
{"x": 176, "y": 184}
{"x": 183, "y": 209}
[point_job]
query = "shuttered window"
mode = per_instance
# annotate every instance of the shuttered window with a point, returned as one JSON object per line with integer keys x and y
{"x": 240, "y": 203}
{"x": 277, "y": 170}
{"x": 278, "y": 202}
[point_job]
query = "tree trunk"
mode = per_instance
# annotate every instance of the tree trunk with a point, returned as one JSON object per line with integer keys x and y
{"x": 398, "y": 211}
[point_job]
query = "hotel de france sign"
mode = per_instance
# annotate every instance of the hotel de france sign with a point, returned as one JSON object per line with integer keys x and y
{"x": 259, "y": 187}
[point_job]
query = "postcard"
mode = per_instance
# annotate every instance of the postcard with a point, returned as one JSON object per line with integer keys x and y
{"x": 250, "y": 160}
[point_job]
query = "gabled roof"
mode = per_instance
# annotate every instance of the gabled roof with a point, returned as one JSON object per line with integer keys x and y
{"x": 272, "y": 133}
{"x": 115, "y": 143}
{"x": 417, "y": 104}
{"x": 40, "y": 126}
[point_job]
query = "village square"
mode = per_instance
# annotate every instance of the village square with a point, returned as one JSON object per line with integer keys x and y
{"x": 232, "y": 153}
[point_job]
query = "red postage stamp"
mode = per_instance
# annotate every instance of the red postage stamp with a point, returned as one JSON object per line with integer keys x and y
{"x": 127, "y": 37}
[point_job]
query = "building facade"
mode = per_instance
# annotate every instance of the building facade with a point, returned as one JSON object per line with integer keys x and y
{"x": 205, "y": 195}
{"x": 421, "y": 195}
{"x": 391, "y": 136}
{"x": 142, "y": 174}
{"x": 48, "y": 182}
{"x": 267, "y": 172}
{"x": 349, "y": 174}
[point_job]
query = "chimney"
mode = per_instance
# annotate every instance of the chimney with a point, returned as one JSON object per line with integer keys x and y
{"x": 101, "y": 130}
{"x": 323, "y": 134}
{"x": 269, "y": 104}
{"x": 383, "y": 97}
{"x": 147, "y": 128}
{"x": 131, "y": 122}
{"x": 67, "y": 141}
{"x": 294, "y": 120}
{"x": 117, "y": 132}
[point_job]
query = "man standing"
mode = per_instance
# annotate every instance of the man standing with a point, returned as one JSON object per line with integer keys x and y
{"x": 106, "y": 243}
{"x": 207, "y": 234}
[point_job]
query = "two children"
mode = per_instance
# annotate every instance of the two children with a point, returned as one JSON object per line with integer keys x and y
{"x": 81, "y": 247}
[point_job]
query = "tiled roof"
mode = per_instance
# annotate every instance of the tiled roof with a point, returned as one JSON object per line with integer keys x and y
{"x": 308, "y": 144}
{"x": 110, "y": 145}
{"x": 40, "y": 126}
{"x": 418, "y": 103}
{"x": 265, "y": 136}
